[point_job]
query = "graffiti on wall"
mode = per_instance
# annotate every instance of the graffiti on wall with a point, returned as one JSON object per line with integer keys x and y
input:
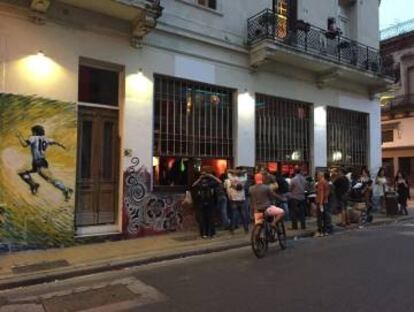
{"x": 37, "y": 171}
{"x": 149, "y": 213}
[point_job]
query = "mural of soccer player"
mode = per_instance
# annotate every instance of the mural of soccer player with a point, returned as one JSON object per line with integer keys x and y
{"x": 38, "y": 144}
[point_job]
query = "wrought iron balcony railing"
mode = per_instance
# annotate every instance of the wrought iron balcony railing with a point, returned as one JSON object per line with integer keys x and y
{"x": 399, "y": 104}
{"x": 306, "y": 38}
{"x": 154, "y": 5}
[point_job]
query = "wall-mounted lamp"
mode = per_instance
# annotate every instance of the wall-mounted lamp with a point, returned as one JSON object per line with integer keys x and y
{"x": 40, "y": 53}
{"x": 40, "y": 66}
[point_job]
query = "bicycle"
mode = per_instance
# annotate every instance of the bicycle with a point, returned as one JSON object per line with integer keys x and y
{"x": 264, "y": 233}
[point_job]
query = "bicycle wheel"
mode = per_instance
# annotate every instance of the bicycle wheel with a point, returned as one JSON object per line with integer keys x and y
{"x": 259, "y": 241}
{"x": 281, "y": 234}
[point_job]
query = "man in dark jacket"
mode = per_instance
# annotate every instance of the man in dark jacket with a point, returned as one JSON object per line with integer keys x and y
{"x": 205, "y": 197}
{"x": 341, "y": 185}
{"x": 297, "y": 200}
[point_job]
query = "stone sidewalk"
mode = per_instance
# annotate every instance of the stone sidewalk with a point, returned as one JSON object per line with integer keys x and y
{"x": 37, "y": 266}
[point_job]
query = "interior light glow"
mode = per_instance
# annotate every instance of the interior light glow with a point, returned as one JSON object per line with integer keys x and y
{"x": 296, "y": 155}
{"x": 155, "y": 161}
{"x": 337, "y": 156}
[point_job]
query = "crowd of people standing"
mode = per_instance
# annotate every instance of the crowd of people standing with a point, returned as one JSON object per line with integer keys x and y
{"x": 229, "y": 197}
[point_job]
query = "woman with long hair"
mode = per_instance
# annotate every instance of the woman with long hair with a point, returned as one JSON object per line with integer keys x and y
{"x": 365, "y": 175}
{"x": 379, "y": 190}
{"x": 403, "y": 189}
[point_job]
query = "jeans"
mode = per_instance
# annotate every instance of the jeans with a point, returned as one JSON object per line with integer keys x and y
{"x": 343, "y": 207}
{"x": 206, "y": 220}
{"x": 403, "y": 207}
{"x": 222, "y": 206}
{"x": 297, "y": 212}
{"x": 376, "y": 203}
{"x": 323, "y": 218}
{"x": 248, "y": 212}
{"x": 285, "y": 206}
{"x": 239, "y": 207}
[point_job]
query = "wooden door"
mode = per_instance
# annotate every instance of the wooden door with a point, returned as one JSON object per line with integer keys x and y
{"x": 98, "y": 163}
{"x": 410, "y": 80}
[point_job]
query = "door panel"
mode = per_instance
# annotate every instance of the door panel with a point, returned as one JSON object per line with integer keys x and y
{"x": 87, "y": 168}
{"x": 108, "y": 199}
{"x": 108, "y": 177}
{"x": 98, "y": 163}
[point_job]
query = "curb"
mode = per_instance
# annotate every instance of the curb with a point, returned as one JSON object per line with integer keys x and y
{"x": 42, "y": 277}
{"x": 110, "y": 266}
{"x": 390, "y": 221}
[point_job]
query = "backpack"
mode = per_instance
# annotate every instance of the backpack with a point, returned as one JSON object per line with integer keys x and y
{"x": 283, "y": 185}
{"x": 205, "y": 191}
{"x": 357, "y": 191}
{"x": 239, "y": 187}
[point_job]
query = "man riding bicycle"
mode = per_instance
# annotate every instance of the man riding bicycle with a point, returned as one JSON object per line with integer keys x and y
{"x": 261, "y": 198}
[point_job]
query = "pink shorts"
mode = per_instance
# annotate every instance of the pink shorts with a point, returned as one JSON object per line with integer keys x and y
{"x": 272, "y": 211}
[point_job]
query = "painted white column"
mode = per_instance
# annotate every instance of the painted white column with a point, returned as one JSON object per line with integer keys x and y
{"x": 320, "y": 152}
{"x": 375, "y": 152}
{"x": 138, "y": 118}
{"x": 244, "y": 130}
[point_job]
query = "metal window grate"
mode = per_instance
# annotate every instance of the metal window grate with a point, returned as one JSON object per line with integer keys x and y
{"x": 347, "y": 137}
{"x": 192, "y": 119}
{"x": 282, "y": 129}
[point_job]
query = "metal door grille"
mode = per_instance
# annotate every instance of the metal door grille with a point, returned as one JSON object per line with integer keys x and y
{"x": 347, "y": 137}
{"x": 282, "y": 129}
{"x": 192, "y": 119}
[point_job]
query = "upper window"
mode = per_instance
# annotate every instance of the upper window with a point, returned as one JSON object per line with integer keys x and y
{"x": 98, "y": 86}
{"x": 387, "y": 136}
{"x": 211, "y": 4}
{"x": 345, "y": 13}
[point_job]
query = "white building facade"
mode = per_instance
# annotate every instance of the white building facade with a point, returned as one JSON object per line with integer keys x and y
{"x": 158, "y": 93}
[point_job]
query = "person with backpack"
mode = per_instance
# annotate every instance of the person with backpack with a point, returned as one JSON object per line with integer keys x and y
{"x": 342, "y": 186}
{"x": 234, "y": 186}
{"x": 205, "y": 195}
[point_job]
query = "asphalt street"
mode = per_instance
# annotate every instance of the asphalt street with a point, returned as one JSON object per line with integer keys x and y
{"x": 361, "y": 270}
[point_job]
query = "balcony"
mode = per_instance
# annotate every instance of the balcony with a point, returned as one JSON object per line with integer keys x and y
{"x": 398, "y": 107}
{"x": 327, "y": 54}
{"x": 122, "y": 9}
{"x": 141, "y": 14}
